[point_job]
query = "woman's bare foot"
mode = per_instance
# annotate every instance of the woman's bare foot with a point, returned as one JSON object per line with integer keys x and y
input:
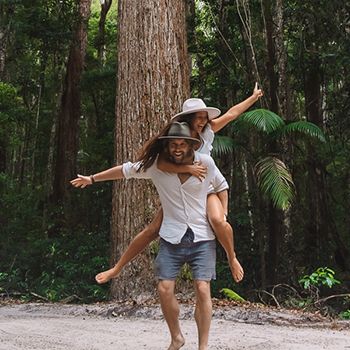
{"x": 105, "y": 276}
{"x": 236, "y": 270}
{"x": 177, "y": 343}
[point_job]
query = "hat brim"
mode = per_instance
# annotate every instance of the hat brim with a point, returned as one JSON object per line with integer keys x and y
{"x": 212, "y": 113}
{"x": 179, "y": 137}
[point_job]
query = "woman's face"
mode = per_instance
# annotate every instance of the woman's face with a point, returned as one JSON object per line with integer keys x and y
{"x": 199, "y": 121}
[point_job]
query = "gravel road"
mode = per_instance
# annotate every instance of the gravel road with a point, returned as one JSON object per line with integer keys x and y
{"x": 106, "y": 327}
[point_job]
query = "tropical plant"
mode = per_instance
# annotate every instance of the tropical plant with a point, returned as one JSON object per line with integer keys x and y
{"x": 323, "y": 276}
{"x": 345, "y": 315}
{"x": 272, "y": 174}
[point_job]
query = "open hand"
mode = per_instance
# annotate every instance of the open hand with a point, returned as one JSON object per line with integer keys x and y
{"x": 81, "y": 181}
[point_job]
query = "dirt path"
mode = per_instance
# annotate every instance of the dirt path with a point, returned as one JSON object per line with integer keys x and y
{"x": 107, "y": 327}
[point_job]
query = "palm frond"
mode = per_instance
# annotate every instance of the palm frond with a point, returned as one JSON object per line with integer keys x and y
{"x": 305, "y": 128}
{"x": 222, "y": 145}
{"x": 275, "y": 180}
{"x": 261, "y": 119}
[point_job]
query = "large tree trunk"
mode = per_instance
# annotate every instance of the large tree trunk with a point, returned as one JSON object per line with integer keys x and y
{"x": 67, "y": 131}
{"x": 274, "y": 216}
{"x": 153, "y": 81}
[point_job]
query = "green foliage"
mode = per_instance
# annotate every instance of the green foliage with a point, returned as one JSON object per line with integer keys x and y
{"x": 223, "y": 145}
{"x": 323, "y": 276}
{"x": 261, "y": 119}
{"x": 58, "y": 268}
{"x": 230, "y": 294}
{"x": 305, "y": 128}
{"x": 345, "y": 315}
{"x": 275, "y": 180}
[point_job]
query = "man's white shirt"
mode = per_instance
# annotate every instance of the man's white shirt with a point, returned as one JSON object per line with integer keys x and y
{"x": 184, "y": 204}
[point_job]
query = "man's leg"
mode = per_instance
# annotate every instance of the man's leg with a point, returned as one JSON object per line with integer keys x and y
{"x": 224, "y": 234}
{"x": 171, "y": 311}
{"x": 203, "y": 312}
{"x": 137, "y": 245}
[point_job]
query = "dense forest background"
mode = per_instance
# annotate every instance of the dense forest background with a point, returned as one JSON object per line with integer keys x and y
{"x": 58, "y": 70}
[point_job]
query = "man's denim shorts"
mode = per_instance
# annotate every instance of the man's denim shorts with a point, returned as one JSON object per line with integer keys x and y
{"x": 200, "y": 256}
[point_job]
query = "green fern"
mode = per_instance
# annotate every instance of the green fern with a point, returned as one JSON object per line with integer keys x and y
{"x": 275, "y": 180}
{"x": 222, "y": 145}
{"x": 262, "y": 119}
{"x": 305, "y": 128}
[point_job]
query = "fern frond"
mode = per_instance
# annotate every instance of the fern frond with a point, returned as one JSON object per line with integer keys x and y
{"x": 275, "y": 180}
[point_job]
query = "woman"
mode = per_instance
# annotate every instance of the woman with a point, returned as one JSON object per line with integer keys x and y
{"x": 204, "y": 122}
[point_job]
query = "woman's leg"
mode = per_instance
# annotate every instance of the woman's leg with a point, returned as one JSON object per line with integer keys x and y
{"x": 224, "y": 234}
{"x": 137, "y": 245}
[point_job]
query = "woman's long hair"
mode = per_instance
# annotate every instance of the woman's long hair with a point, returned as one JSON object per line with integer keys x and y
{"x": 151, "y": 150}
{"x": 188, "y": 118}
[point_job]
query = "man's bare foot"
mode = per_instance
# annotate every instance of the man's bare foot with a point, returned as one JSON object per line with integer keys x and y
{"x": 177, "y": 343}
{"x": 105, "y": 276}
{"x": 236, "y": 270}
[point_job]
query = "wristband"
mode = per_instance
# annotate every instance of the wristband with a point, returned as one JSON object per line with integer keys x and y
{"x": 92, "y": 179}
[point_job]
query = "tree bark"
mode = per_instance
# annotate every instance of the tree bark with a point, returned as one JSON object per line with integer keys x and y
{"x": 102, "y": 30}
{"x": 281, "y": 58}
{"x": 6, "y": 13}
{"x": 68, "y": 119}
{"x": 274, "y": 216}
{"x": 153, "y": 81}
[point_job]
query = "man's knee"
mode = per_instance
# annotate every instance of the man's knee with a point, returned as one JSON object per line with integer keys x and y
{"x": 166, "y": 288}
{"x": 202, "y": 290}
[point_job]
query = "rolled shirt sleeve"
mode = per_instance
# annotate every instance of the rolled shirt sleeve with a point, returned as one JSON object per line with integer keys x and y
{"x": 219, "y": 182}
{"x": 130, "y": 171}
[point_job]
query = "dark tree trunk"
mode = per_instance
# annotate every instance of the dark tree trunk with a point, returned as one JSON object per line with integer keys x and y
{"x": 101, "y": 41}
{"x": 274, "y": 219}
{"x": 69, "y": 114}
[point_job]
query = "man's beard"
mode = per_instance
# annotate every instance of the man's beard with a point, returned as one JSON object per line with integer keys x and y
{"x": 182, "y": 159}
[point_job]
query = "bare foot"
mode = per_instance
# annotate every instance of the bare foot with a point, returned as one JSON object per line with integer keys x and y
{"x": 236, "y": 270}
{"x": 177, "y": 343}
{"x": 105, "y": 276}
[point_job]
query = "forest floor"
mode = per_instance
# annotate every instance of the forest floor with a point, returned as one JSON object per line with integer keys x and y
{"x": 133, "y": 326}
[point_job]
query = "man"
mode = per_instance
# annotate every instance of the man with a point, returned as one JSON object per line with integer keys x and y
{"x": 186, "y": 236}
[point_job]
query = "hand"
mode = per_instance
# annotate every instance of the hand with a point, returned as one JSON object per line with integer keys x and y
{"x": 81, "y": 181}
{"x": 257, "y": 93}
{"x": 198, "y": 170}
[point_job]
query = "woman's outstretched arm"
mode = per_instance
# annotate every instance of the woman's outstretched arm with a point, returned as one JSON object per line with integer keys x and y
{"x": 235, "y": 111}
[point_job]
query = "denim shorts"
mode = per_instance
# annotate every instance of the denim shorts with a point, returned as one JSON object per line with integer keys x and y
{"x": 200, "y": 256}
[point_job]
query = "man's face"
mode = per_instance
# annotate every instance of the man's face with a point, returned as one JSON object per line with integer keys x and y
{"x": 179, "y": 150}
{"x": 199, "y": 121}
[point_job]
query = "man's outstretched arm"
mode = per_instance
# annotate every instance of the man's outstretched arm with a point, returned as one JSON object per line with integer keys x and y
{"x": 114, "y": 173}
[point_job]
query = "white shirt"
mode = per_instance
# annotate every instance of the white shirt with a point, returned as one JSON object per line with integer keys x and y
{"x": 207, "y": 138}
{"x": 184, "y": 205}
{"x": 219, "y": 182}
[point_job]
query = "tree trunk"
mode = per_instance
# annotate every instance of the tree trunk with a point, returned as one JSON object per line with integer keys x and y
{"x": 6, "y": 13}
{"x": 101, "y": 44}
{"x": 281, "y": 57}
{"x": 153, "y": 81}
{"x": 67, "y": 128}
{"x": 274, "y": 218}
